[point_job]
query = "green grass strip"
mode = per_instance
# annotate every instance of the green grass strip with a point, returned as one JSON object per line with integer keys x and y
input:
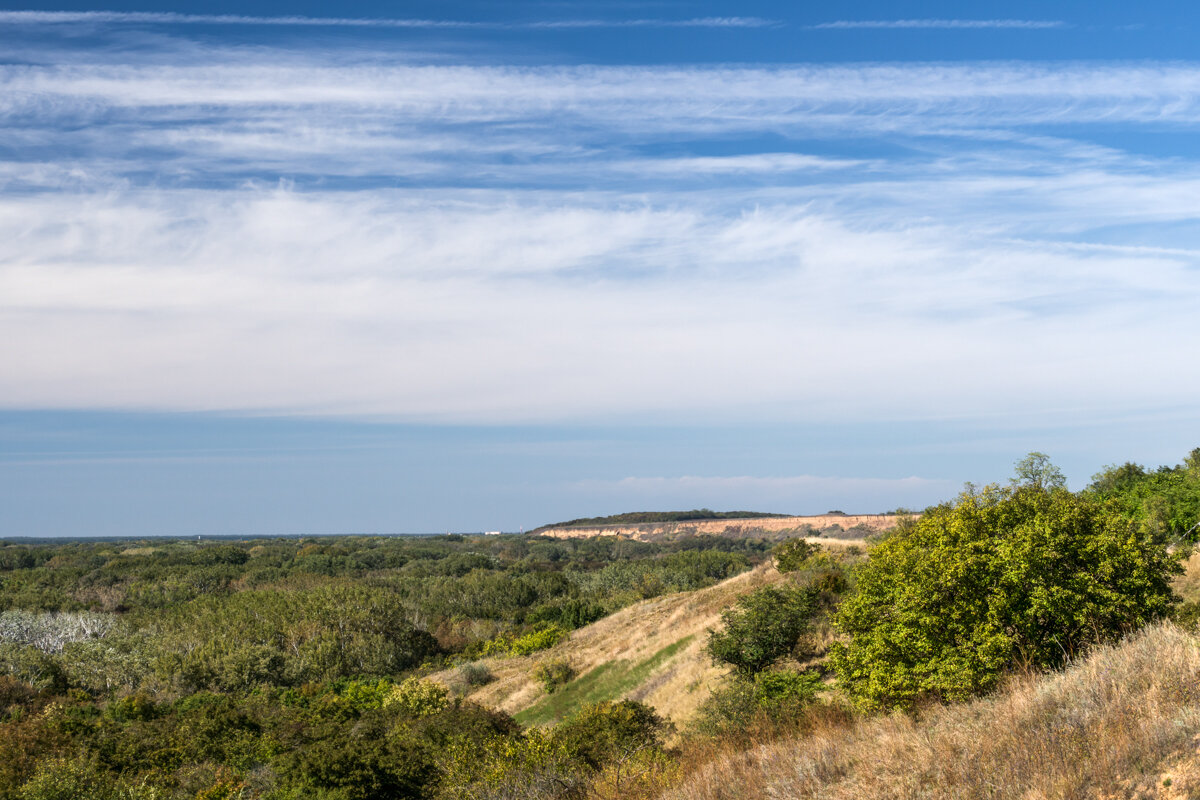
{"x": 606, "y": 682}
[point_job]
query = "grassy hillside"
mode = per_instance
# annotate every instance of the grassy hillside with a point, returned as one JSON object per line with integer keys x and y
{"x": 1123, "y": 723}
{"x": 652, "y": 651}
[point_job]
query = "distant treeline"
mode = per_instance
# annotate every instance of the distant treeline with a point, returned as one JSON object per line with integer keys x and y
{"x": 640, "y": 517}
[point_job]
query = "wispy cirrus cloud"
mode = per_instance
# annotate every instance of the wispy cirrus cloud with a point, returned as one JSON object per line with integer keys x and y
{"x": 319, "y": 119}
{"x": 174, "y": 18}
{"x": 643, "y": 100}
{"x": 334, "y": 234}
{"x": 940, "y": 24}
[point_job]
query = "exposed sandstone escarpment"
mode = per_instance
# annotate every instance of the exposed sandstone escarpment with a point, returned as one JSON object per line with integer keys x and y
{"x": 832, "y": 525}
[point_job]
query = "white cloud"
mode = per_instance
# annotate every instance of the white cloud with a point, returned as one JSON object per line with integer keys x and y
{"x": 487, "y": 306}
{"x": 507, "y": 125}
{"x": 920, "y": 97}
{"x": 151, "y": 257}
{"x": 171, "y": 18}
{"x": 726, "y": 165}
{"x": 944, "y": 24}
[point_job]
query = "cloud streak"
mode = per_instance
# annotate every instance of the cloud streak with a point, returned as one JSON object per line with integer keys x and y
{"x": 617, "y": 100}
{"x": 939, "y": 24}
{"x": 348, "y": 235}
{"x": 172, "y": 18}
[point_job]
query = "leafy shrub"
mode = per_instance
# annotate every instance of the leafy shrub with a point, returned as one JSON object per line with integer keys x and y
{"x": 1008, "y": 576}
{"x": 764, "y": 626}
{"x": 528, "y": 767}
{"x": 28, "y": 664}
{"x": 418, "y": 698}
{"x": 80, "y": 779}
{"x": 288, "y": 637}
{"x": 568, "y": 614}
{"x": 474, "y": 674}
{"x": 790, "y": 555}
{"x": 368, "y": 765}
{"x": 553, "y": 674}
{"x": 774, "y": 695}
{"x": 541, "y": 638}
{"x": 220, "y": 554}
{"x": 135, "y": 707}
{"x": 780, "y": 688}
{"x": 365, "y": 695}
{"x": 15, "y": 694}
{"x": 538, "y": 640}
{"x": 604, "y": 732}
{"x": 676, "y": 572}
{"x": 1166, "y": 500}
{"x": 1187, "y": 616}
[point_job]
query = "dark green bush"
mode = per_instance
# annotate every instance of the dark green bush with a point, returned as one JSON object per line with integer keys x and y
{"x": 763, "y": 627}
{"x": 1006, "y": 577}
{"x": 605, "y": 732}
{"x": 775, "y": 695}
{"x": 568, "y": 614}
{"x": 367, "y": 765}
{"x": 790, "y": 555}
{"x": 1187, "y": 616}
{"x": 79, "y": 778}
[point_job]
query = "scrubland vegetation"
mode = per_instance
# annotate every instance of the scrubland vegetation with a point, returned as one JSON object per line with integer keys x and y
{"x": 1020, "y": 641}
{"x": 284, "y": 668}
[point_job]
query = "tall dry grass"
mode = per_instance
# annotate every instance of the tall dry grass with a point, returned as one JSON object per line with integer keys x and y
{"x": 1123, "y": 723}
{"x": 1187, "y": 585}
{"x": 635, "y": 633}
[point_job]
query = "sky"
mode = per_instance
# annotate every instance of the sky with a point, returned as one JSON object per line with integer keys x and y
{"x": 315, "y": 268}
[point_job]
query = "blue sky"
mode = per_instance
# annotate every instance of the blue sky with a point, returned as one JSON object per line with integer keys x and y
{"x": 308, "y": 268}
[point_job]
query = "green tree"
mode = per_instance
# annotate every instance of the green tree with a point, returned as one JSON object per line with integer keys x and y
{"x": 764, "y": 626}
{"x": 1115, "y": 478}
{"x": 1037, "y": 471}
{"x": 1002, "y": 578}
{"x": 791, "y": 554}
{"x": 1166, "y": 500}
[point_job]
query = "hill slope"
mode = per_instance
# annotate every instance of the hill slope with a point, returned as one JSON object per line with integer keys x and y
{"x": 1125, "y": 723}
{"x": 652, "y": 651}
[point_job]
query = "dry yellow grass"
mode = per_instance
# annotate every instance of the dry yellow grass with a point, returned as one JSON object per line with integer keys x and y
{"x": 633, "y": 634}
{"x": 1187, "y": 585}
{"x": 676, "y": 687}
{"x": 1125, "y": 723}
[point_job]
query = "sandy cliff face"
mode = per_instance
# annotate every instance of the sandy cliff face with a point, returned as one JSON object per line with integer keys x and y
{"x": 854, "y": 525}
